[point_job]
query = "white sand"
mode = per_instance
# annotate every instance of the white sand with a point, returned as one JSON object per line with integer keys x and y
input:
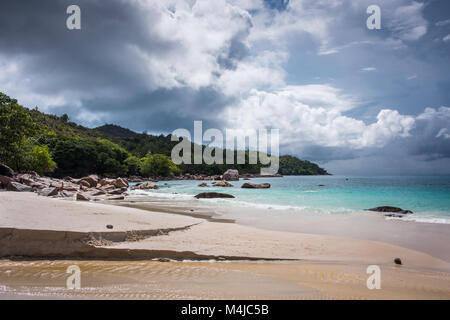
{"x": 27, "y": 210}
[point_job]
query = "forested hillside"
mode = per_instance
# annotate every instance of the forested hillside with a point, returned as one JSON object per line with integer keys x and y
{"x": 34, "y": 141}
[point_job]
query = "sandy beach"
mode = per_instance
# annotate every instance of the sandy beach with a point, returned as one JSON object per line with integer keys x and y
{"x": 150, "y": 254}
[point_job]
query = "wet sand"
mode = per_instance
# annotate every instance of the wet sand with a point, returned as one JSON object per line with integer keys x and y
{"x": 46, "y": 279}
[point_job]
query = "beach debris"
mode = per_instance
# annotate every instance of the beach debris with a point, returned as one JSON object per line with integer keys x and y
{"x": 146, "y": 185}
{"x": 398, "y": 261}
{"x": 231, "y": 175}
{"x": 222, "y": 183}
{"x": 203, "y": 184}
{"x": 109, "y": 226}
{"x": 210, "y": 195}
{"x": 249, "y": 185}
{"x": 82, "y": 197}
{"x": 6, "y": 171}
{"x": 390, "y": 209}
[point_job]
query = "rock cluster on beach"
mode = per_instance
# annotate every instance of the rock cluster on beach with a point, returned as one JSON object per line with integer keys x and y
{"x": 85, "y": 189}
{"x": 94, "y": 188}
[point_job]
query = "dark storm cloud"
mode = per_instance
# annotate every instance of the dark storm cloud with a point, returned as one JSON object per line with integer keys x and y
{"x": 130, "y": 65}
{"x": 98, "y": 64}
{"x": 170, "y": 109}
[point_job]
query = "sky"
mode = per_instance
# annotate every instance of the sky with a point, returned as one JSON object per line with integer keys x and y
{"x": 354, "y": 100}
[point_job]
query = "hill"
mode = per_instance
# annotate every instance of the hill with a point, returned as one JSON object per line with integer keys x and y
{"x": 107, "y": 150}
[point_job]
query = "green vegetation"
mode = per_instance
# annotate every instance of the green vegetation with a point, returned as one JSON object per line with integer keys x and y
{"x": 34, "y": 141}
{"x": 19, "y": 148}
{"x": 290, "y": 165}
{"x": 158, "y": 165}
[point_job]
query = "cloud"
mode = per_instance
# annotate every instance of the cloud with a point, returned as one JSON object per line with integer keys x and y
{"x": 408, "y": 23}
{"x": 314, "y": 115}
{"x": 442, "y": 23}
{"x": 443, "y": 133}
{"x": 293, "y": 65}
{"x": 446, "y": 38}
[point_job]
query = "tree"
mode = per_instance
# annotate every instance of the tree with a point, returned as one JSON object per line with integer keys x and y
{"x": 134, "y": 165}
{"x": 158, "y": 165}
{"x": 65, "y": 118}
{"x": 41, "y": 160}
{"x": 16, "y": 125}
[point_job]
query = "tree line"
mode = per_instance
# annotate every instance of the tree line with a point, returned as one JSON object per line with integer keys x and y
{"x": 31, "y": 140}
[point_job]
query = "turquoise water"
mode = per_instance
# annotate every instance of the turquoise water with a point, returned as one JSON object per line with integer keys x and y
{"x": 427, "y": 196}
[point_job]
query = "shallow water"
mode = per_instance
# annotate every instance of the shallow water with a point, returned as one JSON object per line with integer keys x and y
{"x": 427, "y": 196}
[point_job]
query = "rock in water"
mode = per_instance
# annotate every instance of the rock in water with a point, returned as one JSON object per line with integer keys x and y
{"x": 146, "y": 185}
{"x": 222, "y": 184}
{"x": 249, "y": 185}
{"x": 203, "y": 184}
{"x": 390, "y": 209}
{"x": 231, "y": 175}
{"x": 6, "y": 171}
{"x": 210, "y": 195}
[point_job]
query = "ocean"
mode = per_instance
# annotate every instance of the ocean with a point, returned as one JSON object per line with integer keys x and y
{"x": 427, "y": 196}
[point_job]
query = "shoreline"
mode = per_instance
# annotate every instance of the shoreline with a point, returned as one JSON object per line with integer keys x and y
{"x": 420, "y": 236}
{"x": 34, "y": 229}
{"x": 84, "y": 225}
